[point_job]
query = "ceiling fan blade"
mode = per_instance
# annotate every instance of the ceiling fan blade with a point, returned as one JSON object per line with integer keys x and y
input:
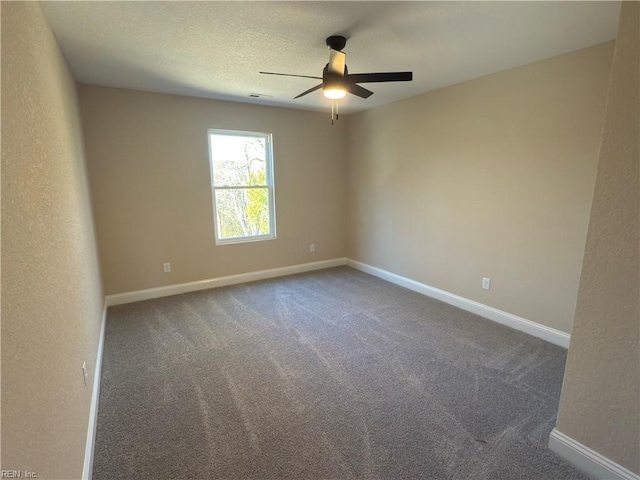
{"x": 336, "y": 62}
{"x": 358, "y": 91}
{"x": 312, "y": 89}
{"x": 380, "y": 77}
{"x": 290, "y": 75}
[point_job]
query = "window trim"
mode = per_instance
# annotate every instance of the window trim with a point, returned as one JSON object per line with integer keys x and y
{"x": 270, "y": 186}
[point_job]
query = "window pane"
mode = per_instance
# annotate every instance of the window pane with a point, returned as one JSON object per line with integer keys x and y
{"x": 238, "y": 160}
{"x": 242, "y": 212}
{"x": 242, "y": 184}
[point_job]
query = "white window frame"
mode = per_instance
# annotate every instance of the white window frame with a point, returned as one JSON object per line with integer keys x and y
{"x": 269, "y": 186}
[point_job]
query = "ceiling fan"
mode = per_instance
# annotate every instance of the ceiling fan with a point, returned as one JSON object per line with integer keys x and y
{"x": 337, "y": 81}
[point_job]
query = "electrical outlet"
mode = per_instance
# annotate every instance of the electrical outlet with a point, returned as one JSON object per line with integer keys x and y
{"x": 312, "y": 247}
{"x": 486, "y": 283}
{"x": 166, "y": 267}
{"x": 84, "y": 373}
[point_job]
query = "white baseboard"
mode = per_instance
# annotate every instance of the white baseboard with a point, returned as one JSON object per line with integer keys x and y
{"x": 148, "y": 294}
{"x": 587, "y": 460}
{"x": 95, "y": 397}
{"x": 541, "y": 331}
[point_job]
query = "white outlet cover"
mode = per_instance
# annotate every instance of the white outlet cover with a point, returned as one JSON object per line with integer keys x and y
{"x": 486, "y": 283}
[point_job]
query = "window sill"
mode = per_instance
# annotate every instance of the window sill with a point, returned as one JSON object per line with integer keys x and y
{"x": 234, "y": 240}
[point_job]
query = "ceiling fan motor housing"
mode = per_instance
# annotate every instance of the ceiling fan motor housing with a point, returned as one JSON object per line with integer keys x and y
{"x": 332, "y": 79}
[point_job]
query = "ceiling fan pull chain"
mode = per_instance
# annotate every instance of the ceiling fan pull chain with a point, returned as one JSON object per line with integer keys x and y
{"x": 337, "y": 114}
{"x": 333, "y": 108}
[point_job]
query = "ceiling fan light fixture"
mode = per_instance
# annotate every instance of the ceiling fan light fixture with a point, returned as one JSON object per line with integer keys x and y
{"x": 334, "y": 93}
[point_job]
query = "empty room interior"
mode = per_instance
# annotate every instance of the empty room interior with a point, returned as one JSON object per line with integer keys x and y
{"x": 320, "y": 240}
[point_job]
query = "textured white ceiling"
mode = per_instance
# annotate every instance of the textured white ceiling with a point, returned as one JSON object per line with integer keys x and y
{"x": 216, "y": 49}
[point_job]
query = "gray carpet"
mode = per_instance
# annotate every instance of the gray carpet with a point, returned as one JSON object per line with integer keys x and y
{"x": 328, "y": 375}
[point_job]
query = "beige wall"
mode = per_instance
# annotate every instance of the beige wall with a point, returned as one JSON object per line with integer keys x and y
{"x": 489, "y": 178}
{"x": 51, "y": 294}
{"x": 600, "y": 404}
{"x": 149, "y": 170}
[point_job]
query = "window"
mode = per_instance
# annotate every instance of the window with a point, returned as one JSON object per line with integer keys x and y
{"x": 242, "y": 185}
